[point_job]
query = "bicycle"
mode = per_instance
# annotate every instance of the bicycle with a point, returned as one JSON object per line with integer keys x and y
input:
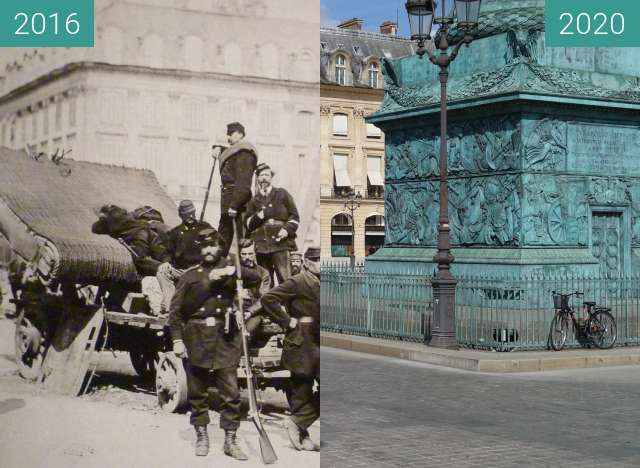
{"x": 599, "y": 327}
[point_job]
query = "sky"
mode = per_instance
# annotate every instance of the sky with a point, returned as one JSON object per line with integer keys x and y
{"x": 373, "y": 12}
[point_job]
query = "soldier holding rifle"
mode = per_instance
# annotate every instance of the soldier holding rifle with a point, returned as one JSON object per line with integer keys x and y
{"x": 202, "y": 333}
{"x": 300, "y": 317}
{"x": 237, "y": 164}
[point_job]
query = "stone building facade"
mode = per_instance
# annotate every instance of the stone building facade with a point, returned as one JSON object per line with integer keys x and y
{"x": 352, "y": 151}
{"x": 162, "y": 82}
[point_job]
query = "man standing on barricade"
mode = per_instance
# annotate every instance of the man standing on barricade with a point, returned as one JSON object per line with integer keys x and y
{"x": 272, "y": 220}
{"x": 237, "y": 164}
{"x": 205, "y": 332}
{"x": 300, "y": 317}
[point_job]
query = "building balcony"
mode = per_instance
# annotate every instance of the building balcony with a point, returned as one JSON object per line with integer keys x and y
{"x": 339, "y": 193}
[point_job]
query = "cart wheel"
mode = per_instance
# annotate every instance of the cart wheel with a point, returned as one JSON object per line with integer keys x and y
{"x": 171, "y": 383}
{"x": 30, "y": 346}
{"x": 144, "y": 362}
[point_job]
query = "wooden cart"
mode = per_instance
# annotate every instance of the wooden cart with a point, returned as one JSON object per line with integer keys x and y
{"x": 79, "y": 292}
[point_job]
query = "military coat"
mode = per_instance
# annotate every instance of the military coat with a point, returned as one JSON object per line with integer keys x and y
{"x": 237, "y": 165}
{"x": 182, "y": 245}
{"x": 300, "y": 296}
{"x": 199, "y": 299}
{"x": 280, "y": 212}
{"x": 150, "y": 252}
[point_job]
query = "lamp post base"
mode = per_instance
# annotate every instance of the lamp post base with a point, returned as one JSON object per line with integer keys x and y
{"x": 443, "y": 330}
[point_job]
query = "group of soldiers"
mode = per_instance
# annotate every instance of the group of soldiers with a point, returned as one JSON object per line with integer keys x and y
{"x": 197, "y": 279}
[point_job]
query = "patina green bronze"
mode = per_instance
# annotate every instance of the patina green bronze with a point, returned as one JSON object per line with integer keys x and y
{"x": 543, "y": 154}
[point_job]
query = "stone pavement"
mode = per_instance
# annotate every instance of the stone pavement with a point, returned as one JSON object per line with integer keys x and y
{"x": 485, "y": 361}
{"x": 380, "y": 412}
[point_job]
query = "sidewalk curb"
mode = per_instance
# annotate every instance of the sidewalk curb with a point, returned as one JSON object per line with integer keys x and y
{"x": 485, "y": 361}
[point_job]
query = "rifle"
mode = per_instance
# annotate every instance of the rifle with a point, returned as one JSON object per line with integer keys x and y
{"x": 266, "y": 449}
{"x": 213, "y": 169}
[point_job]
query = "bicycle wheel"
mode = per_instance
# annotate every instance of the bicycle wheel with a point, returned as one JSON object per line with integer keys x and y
{"x": 559, "y": 331}
{"x": 603, "y": 330}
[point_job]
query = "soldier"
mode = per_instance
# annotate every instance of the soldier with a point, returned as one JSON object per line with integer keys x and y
{"x": 147, "y": 245}
{"x": 300, "y": 317}
{"x": 251, "y": 304}
{"x": 155, "y": 221}
{"x": 272, "y": 220}
{"x": 295, "y": 261}
{"x": 182, "y": 245}
{"x": 150, "y": 255}
{"x": 199, "y": 315}
{"x": 237, "y": 164}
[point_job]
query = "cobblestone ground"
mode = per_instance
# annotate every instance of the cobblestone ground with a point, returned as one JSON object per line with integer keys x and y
{"x": 379, "y": 412}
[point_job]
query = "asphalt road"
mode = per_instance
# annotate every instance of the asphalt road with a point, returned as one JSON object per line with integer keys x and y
{"x": 379, "y": 412}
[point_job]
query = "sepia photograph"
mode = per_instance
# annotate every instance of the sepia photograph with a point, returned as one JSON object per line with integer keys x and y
{"x": 160, "y": 236}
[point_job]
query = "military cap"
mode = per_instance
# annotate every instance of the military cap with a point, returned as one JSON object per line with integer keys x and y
{"x": 264, "y": 167}
{"x": 208, "y": 236}
{"x": 295, "y": 255}
{"x": 148, "y": 213}
{"x": 312, "y": 253}
{"x": 235, "y": 127}
{"x": 186, "y": 207}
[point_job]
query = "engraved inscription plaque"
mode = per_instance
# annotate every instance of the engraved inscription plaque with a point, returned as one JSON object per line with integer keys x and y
{"x": 600, "y": 149}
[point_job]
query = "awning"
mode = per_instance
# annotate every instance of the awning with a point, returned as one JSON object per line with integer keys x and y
{"x": 340, "y": 170}
{"x": 373, "y": 172}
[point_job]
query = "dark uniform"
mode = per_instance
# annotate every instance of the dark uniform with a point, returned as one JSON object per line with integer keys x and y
{"x": 280, "y": 212}
{"x": 197, "y": 317}
{"x": 148, "y": 246}
{"x": 183, "y": 245}
{"x": 300, "y": 295}
{"x": 237, "y": 164}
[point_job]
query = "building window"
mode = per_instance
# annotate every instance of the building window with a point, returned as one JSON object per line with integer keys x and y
{"x": 193, "y": 54}
{"x": 72, "y": 112}
{"x": 270, "y": 119}
{"x": 373, "y": 131}
{"x": 375, "y": 183}
{"x": 34, "y": 125}
{"x": 152, "y": 51}
{"x": 340, "y": 125}
{"x": 373, "y": 234}
{"x": 45, "y": 120}
{"x": 58, "y": 115}
{"x": 341, "y": 236}
{"x": 341, "y": 69}
{"x": 341, "y": 180}
{"x": 305, "y": 125}
{"x": 374, "y": 71}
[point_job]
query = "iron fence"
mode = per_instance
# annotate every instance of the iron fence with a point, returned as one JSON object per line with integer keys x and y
{"x": 499, "y": 313}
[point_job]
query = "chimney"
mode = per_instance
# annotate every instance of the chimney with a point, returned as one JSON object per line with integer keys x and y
{"x": 353, "y": 23}
{"x": 389, "y": 28}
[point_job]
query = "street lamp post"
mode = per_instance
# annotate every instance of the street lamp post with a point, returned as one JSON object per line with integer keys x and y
{"x": 351, "y": 205}
{"x": 422, "y": 15}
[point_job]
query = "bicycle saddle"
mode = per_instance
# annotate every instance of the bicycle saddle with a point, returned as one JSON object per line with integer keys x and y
{"x": 590, "y": 303}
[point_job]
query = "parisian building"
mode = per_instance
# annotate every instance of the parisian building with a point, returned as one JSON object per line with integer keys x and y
{"x": 352, "y": 151}
{"x": 162, "y": 82}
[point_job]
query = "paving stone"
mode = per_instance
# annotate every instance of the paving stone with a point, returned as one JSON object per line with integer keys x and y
{"x": 381, "y": 412}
